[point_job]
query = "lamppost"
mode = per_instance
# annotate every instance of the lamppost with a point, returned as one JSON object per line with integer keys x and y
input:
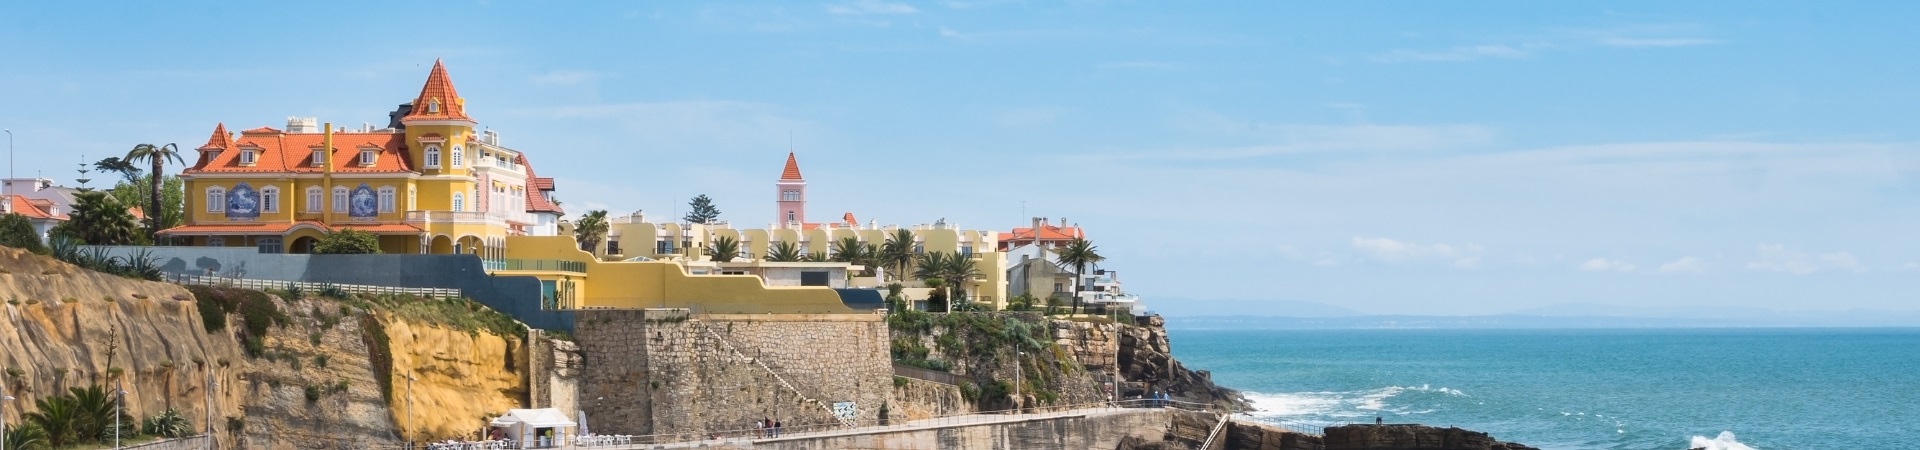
{"x": 211, "y": 385}
{"x": 4, "y": 398}
{"x": 119, "y": 396}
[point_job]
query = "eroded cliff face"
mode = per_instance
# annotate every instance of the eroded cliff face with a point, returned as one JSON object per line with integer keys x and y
{"x": 313, "y": 386}
{"x": 460, "y": 380}
{"x": 1140, "y": 359}
{"x": 69, "y": 327}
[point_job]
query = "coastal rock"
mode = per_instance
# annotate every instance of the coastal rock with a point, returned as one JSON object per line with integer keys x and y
{"x": 1411, "y": 437}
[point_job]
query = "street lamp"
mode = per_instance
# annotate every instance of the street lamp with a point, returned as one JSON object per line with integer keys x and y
{"x": 119, "y": 396}
{"x": 9, "y": 186}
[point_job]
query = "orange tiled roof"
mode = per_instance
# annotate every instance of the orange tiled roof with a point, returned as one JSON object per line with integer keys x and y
{"x": 793, "y": 169}
{"x": 438, "y": 90}
{"x": 1047, "y": 233}
{"x": 30, "y": 208}
{"x": 281, "y": 228}
{"x": 281, "y": 152}
{"x": 536, "y": 190}
{"x": 849, "y": 220}
{"x": 220, "y": 139}
{"x": 137, "y": 212}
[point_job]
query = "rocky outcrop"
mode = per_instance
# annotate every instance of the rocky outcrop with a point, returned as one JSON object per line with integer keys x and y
{"x": 1412, "y": 437}
{"x": 460, "y": 379}
{"x": 1141, "y": 356}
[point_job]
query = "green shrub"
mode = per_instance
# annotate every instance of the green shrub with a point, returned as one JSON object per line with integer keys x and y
{"x": 313, "y": 393}
{"x": 168, "y": 424}
{"x": 379, "y": 353}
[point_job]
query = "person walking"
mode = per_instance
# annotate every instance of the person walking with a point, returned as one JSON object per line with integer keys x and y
{"x": 760, "y": 428}
{"x": 776, "y": 428}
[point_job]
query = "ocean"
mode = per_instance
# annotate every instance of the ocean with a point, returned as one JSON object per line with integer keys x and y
{"x": 1724, "y": 389}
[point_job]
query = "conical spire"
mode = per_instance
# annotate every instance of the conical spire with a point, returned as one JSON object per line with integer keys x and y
{"x": 220, "y": 139}
{"x": 438, "y": 100}
{"x": 793, "y": 169}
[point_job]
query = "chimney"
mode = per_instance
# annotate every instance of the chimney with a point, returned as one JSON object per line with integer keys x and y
{"x": 1037, "y": 222}
{"x": 493, "y": 137}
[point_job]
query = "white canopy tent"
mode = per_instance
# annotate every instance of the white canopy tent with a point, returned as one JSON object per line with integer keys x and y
{"x": 524, "y": 425}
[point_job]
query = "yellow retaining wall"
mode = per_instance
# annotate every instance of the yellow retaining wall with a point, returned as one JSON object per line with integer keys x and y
{"x": 663, "y": 284}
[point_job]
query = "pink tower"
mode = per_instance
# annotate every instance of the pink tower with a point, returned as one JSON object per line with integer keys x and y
{"x": 793, "y": 195}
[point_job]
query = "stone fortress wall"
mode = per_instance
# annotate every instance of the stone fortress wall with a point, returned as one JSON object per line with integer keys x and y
{"x": 664, "y": 371}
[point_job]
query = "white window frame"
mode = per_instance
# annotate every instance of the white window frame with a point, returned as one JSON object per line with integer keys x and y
{"x": 454, "y": 158}
{"x": 270, "y": 199}
{"x": 433, "y": 156}
{"x": 339, "y": 199}
{"x": 314, "y": 196}
{"x": 279, "y": 246}
{"x": 319, "y": 157}
{"x": 433, "y": 106}
{"x": 459, "y": 201}
{"x": 216, "y": 199}
{"x": 387, "y": 197}
{"x": 367, "y": 157}
{"x": 247, "y": 157}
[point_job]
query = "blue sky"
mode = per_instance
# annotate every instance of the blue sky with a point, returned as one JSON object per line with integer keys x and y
{"x": 1387, "y": 157}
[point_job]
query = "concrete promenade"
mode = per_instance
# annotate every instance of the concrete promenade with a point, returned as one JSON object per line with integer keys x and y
{"x": 819, "y": 437}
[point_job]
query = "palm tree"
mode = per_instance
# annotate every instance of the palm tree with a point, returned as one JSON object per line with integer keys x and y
{"x": 784, "y": 251}
{"x": 157, "y": 156}
{"x": 724, "y": 249}
{"x": 57, "y": 416}
{"x": 897, "y": 253}
{"x": 851, "y": 250}
{"x": 591, "y": 227}
{"x": 946, "y": 269}
{"x": 1078, "y": 254}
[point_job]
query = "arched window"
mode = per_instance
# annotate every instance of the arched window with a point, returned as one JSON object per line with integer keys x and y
{"x": 433, "y": 157}
{"x": 339, "y": 199}
{"x": 313, "y": 199}
{"x": 459, "y": 201}
{"x": 386, "y": 199}
{"x": 216, "y": 199}
{"x": 455, "y": 157}
{"x": 433, "y": 106}
{"x": 270, "y": 199}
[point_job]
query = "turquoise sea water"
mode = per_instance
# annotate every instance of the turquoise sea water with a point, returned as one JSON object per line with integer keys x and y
{"x": 1771, "y": 389}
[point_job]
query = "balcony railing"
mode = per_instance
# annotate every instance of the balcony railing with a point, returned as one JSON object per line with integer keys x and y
{"x": 540, "y": 265}
{"x": 455, "y": 217}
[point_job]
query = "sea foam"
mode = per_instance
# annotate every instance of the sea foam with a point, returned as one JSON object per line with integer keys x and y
{"x": 1723, "y": 442}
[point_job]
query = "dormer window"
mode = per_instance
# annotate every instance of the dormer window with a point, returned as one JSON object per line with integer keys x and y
{"x": 213, "y": 155}
{"x": 433, "y": 106}
{"x": 246, "y": 157}
{"x": 319, "y": 157}
{"x": 366, "y": 157}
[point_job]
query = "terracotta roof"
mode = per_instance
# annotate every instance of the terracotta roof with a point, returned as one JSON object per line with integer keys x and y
{"x": 1047, "y": 233}
{"x": 849, "y": 220}
{"x": 293, "y": 153}
{"x": 137, "y": 212}
{"x": 537, "y": 190}
{"x": 30, "y": 208}
{"x": 281, "y": 228}
{"x": 793, "y": 169}
{"x": 220, "y": 139}
{"x": 439, "y": 89}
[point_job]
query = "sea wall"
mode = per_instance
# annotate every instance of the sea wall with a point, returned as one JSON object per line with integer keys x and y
{"x": 664, "y": 371}
{"x": 1088, "y": 431}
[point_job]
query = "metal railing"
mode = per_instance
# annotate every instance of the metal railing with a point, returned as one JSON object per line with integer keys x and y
{"x": 249, "y": 283}
{"x": 870, "y": 426}
{"x": 1310, "y": 429}
{"x": 558, "y": 265}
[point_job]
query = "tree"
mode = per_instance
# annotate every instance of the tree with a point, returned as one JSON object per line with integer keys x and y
{"x": 98, "y": 219}
{"x": 590, "y": 229}
{"x": 347, "y": 242}
{"x": 850, "y": 250}
{"x": 724, "y": 249}
{"x": 897, "y": 253}
{"x": 1078, "y": 254}
{"x": 701, "y": 210}
{"x": 157, "y": 156}
{"x": 784, "y": 251}
{"x": 17, "y": 232}
{"x": 946, "y": 269}
{"x": 126, "y": 169}
{"x": 173, "y": 198}
{"x": 26, "y": 437}
{"x": 56, "y": 416}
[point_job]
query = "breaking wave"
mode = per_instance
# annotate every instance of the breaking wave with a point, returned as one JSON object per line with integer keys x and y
{"x": 1348, "y": 404}
{"x": 1723, "y": 442}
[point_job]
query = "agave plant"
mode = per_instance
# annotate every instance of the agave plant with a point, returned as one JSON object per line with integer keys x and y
{"x": 168, "y": 423}
{"x": 26, "y": 437}
{"x": 143, "y": 265}
{"x": 65, "y": 249}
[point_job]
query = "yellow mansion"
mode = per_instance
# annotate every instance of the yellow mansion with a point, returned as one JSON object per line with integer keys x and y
{"x": 427, "y": 183}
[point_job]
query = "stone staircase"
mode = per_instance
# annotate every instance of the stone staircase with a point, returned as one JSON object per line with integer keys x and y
{"x": 776, "y": 374}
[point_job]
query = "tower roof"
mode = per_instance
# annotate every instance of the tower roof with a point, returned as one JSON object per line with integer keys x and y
{"x": 438, "y": 100}
{"x": 792, "y": 171}
{"x": 220, "y": 139}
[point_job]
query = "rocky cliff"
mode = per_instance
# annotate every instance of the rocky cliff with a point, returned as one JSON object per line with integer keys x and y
{"x": 1140, "y": 357}
{"x": 1412, "y": 437}
{"x": 312, "y": 381}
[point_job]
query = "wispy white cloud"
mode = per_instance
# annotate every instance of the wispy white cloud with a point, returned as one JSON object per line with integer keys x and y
{"x": 870, "y": 7}
{"x": 1689, "y": 264}
{"x": 1462, "y": 53}
{"x": 1779, "y": 258}
{"x": 1655, "y": 42}
{"x": 1606, "y": 265}
{"x": 1390, "y": 250}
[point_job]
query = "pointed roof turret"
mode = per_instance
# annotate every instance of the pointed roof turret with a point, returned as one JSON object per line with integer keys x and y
{"x": 220, "y": 139}
{"x": 793, "y": 169}
{"x": 438, "y": 100}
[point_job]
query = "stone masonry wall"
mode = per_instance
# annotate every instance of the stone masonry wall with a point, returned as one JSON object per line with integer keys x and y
{"x": 663, "y": 371}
